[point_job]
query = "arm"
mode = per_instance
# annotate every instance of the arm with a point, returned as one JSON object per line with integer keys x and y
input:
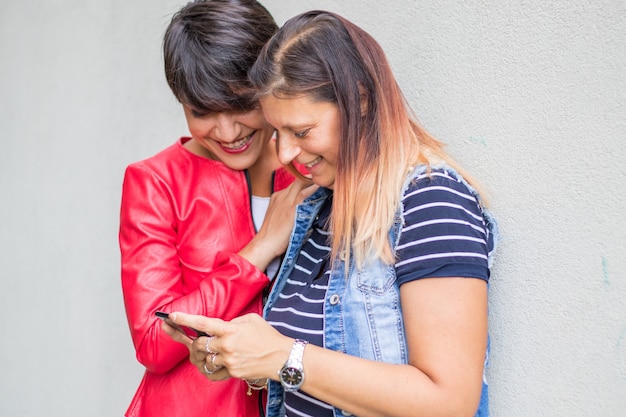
{"x": 446, "y": 323}
{"x": 272, "y": 239}
{"x": 152, "y": 276}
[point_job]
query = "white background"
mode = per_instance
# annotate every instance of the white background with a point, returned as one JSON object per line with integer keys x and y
{"x": 530, "y": 96}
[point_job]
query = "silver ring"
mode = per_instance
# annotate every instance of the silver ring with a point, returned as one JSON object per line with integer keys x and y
{"x": 206, "y": 370}
{"x": 215, "y": 367}
{"x": 208, "y": 349}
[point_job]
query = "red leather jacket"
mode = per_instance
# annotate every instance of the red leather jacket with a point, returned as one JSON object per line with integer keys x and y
{"x": 183, "y": 220}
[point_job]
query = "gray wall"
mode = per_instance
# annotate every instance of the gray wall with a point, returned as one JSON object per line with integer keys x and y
{"x": 530, "y": 97}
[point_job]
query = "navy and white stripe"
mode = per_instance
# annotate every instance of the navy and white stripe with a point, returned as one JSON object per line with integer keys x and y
{"x": 299, "y": 310}
{"x": 444, "y": 234}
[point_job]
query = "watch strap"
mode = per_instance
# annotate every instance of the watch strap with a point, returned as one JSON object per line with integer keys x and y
{"x": 296, "y": 354}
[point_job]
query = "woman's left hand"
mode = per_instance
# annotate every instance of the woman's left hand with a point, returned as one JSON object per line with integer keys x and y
{"x": 246, "y": 347}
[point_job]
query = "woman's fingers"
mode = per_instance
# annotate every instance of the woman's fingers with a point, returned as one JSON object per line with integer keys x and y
{"x": 204, "y": 356}
{"x": 299, "y": 190}
{"x": 212, "y": 370}
{"x": 211, "y": 326}
{"x": 197, "y": 351}
{"x": 308, "y": 191}
{"x": 177, "y": 335}
{"x": 242, "y": 348}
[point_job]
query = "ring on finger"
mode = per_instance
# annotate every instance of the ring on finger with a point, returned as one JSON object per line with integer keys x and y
{"x": 215, "y": 367}
{"x": 206, "y": 370}
{"x": 207, "y": 347}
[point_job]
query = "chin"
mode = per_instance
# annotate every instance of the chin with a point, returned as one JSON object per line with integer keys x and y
{"x": 239, "y": 165}
{"x": 326, "y": 184}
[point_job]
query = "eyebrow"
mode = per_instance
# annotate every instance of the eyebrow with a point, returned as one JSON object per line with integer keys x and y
{"x": 294, "y": 128}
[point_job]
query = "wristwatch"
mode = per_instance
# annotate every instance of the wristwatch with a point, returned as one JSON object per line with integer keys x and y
{"x": 292, "y": 373}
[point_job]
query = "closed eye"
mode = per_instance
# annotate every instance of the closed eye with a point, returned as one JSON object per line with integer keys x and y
{"x": 199, "y": 114}
{"x": 302, "y": 133}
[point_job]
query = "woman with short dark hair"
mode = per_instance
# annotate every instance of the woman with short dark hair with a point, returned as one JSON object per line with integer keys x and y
{"x": 192, "y": 231}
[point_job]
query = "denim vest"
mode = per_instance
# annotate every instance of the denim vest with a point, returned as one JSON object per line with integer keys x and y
{"x": 362, "y": 314}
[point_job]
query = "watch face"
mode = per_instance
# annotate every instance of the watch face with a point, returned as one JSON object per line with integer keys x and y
{"x": 291, "y": 376}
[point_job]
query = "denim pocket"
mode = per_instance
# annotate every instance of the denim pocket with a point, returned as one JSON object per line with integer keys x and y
{"x": 376, "y": 280}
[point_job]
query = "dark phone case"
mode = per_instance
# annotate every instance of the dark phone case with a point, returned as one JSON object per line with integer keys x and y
{"x": 166, "y": 317}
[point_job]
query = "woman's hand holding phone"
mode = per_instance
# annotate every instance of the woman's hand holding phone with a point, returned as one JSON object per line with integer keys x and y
{"x": 191, "y": 333}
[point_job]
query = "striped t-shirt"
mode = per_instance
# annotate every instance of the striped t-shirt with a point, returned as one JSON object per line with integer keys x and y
{"x": 444, "y": 235}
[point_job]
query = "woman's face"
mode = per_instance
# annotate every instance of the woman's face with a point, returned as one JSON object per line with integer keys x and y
{"x": 235, "y": 138}
{"x": 308, "y": 133}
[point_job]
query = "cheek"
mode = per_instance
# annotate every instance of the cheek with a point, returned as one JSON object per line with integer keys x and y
{"x": 196, "y": 127}
{"x": 332, "y": 147}
{"x": 255, "y": 119}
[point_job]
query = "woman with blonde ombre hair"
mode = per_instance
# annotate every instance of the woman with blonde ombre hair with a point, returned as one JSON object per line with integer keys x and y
{"x": 380, "y": 305}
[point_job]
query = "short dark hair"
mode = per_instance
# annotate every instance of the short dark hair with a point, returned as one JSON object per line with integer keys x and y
{"x": 208, "y": 48}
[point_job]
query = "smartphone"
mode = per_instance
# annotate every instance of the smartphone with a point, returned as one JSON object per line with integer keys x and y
{"x": 191, "y": 332}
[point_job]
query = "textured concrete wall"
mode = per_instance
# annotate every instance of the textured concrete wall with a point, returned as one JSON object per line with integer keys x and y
{"x": 530, "y": 96}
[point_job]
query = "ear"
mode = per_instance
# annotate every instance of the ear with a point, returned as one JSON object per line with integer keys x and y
{"x": 363, "y": 98}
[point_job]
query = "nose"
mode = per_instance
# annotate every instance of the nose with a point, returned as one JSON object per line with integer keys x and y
{"x": 225, "y": 127}
{"x": 288, "y": 149}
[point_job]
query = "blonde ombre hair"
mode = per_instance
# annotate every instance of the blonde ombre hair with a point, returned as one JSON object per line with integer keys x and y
{"x": 329, "y": 59}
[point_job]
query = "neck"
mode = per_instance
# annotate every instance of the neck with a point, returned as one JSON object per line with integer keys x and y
{"x": 261, "y": 171}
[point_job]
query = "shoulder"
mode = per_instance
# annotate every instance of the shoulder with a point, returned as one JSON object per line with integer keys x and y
{"x": 176, "y": 162}
{"x": 441, "y": 187}
{"x": 443, "y": 230}
{"x": 161, "y": 158}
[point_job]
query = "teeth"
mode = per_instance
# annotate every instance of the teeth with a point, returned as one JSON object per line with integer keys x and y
{"x": 238, "y": 144}
{"x": 310, "y": 164}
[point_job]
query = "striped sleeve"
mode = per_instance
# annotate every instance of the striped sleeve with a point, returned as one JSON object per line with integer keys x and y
{"x": 444, "y": 232}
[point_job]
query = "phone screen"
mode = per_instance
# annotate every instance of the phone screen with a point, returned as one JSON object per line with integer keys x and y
{"x": 191, "y": 332}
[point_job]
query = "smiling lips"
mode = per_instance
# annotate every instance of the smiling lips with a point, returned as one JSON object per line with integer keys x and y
{"x": 313, "y": 163}
{"x": 238, "y": 146}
